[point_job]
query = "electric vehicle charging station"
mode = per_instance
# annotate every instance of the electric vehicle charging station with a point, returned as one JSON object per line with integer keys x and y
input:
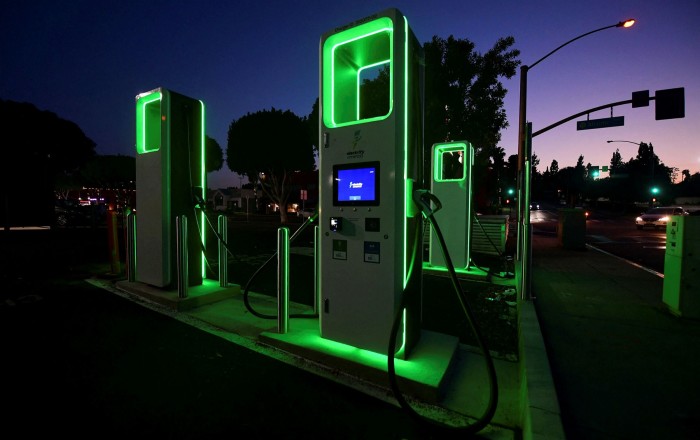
{"x": 681, "y": 264}
{"x": 170, "y": 175}
{"x": 370, "y": 162}
{"x": 452, "y": 184}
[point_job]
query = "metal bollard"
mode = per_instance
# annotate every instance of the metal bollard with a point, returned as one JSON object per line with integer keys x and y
{"x": 131, "y": 246}
{"x": 182, "y": 266}
{"x": 282, "y": 280}
{"x": 317, "y": 270}
{"x": 113, "y": 243}
{"x": 222, "y": 224}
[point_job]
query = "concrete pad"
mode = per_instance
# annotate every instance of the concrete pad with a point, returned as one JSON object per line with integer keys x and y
{"x": 420, "y": 376}
{"x": 207, "y": 293}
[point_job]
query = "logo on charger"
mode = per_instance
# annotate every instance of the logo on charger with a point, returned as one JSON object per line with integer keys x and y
{"x": 356, "y": 154}
{"x": 356, "y": 185}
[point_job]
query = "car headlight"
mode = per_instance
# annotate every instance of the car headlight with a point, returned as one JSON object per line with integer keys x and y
{"x": 638, "y": 219}
{"x": 663, "y": 219}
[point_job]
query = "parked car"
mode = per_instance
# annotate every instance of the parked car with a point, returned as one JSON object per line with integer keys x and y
{"x": 658, "y": 217}
{"x": 71, "y": 213}
{"x": 305, "y": 213}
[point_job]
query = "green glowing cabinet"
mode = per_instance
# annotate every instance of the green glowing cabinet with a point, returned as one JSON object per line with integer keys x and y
{"x": 452, "y": 185}
{"x": 169, "y": 173}
{"x": 370, "y": 145}
{"x": 681, "y": 292}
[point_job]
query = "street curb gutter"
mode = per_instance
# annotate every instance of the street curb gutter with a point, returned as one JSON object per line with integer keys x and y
{"x": 540, "y": 413}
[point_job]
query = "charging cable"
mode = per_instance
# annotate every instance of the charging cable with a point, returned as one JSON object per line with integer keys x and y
{"x": 246, "y": 291}
{"x": 423, "y": 199}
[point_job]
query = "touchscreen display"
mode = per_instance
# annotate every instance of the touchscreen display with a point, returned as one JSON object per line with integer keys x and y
{"x": 356, "y": 184}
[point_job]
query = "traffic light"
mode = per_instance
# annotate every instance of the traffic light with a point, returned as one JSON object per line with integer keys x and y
{"x": 511, "y": 191}
{"x": 670, "y": 103}
{"x": 595, "y": 171}
{"x": 655, "y": 190}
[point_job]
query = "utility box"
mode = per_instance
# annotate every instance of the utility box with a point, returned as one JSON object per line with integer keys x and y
{"x": 452, "y": 185}
{"x": 371, "y": 135}
{"x": 571, "y": 230}
{"x": 682, "y": 266}
{"x": 170, "y": 173}
{"x": 489, "y": 234}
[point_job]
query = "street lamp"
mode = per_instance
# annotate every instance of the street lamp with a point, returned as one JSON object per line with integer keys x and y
{"x": 524, "y": 160}
{"x": 629, "y": 142}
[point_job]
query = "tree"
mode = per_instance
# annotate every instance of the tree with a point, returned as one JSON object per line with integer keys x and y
{"x": 44, "y": 134}
{"x": 464, "y": 101}
{"x": 214, "y": 155}
{"x": 647, "y": 171}
{"x": 39, "y": 147}
{"x": 374, "y": 95}
{"x": 617, "y": 165}
{"x": 554, "y": 167}
{"x": 267, "y": 146}
{"x": 106, "y": 171}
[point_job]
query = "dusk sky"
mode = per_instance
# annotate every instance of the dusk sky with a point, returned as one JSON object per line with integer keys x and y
{"x": 87, "y": 60}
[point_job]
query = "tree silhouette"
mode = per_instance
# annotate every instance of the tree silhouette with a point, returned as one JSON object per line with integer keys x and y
{"x": 214, "y": 158}
{"x": 267, "y": 146}
{"x": 39, "y": 147}
{"x": 464, "y": 101}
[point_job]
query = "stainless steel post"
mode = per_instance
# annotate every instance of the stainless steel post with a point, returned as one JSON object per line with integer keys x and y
{"x": 181, "y": 241}
{"x": 222, "y": 224}
{"x": 131, "y": 246}
{"x": 282, "y": 280}
{"x": 317, "y": 270}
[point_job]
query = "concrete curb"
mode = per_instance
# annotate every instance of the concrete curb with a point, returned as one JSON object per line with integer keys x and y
{"x": 540, "y": 413}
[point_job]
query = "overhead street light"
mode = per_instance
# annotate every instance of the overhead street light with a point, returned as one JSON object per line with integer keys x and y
{"x": 524, "y": 163}
{"x": 630, "y": 142}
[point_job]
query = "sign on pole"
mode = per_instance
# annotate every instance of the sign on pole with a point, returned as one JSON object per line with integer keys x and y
{"x": 616, "y": 121}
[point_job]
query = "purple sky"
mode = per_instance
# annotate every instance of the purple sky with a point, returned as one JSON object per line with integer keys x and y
{"x": 87, "y": 60}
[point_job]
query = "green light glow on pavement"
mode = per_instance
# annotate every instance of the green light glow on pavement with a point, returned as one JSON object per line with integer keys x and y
{"x": 465, "y": 271}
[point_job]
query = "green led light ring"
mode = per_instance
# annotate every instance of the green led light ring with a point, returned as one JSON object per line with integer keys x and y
{"x": 438, "y": 153}
{"x": 141, "y": 121}
{"x": 330, "y": 71}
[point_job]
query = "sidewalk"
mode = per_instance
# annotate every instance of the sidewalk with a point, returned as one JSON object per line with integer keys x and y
{"x": 623, "y": 366}
{"x": 444, "y": 391}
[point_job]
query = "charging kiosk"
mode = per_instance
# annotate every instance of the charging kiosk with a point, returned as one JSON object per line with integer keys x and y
{"x": 681, "y": 292}
{"x": 452, "y": 185}
{"x": 370, "y": 160}
{"x": 170, "y": 173}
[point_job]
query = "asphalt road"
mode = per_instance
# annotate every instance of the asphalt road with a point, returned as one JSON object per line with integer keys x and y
{"x": 81, "y": 361}
{"x": 615, "y": 234}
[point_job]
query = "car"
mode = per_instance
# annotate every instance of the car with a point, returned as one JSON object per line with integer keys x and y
{"x": 658, "y": 217}
{"x": 68, "y": 213}
{"x": 305, "y": 213}
{"x": 534, "y": 205}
